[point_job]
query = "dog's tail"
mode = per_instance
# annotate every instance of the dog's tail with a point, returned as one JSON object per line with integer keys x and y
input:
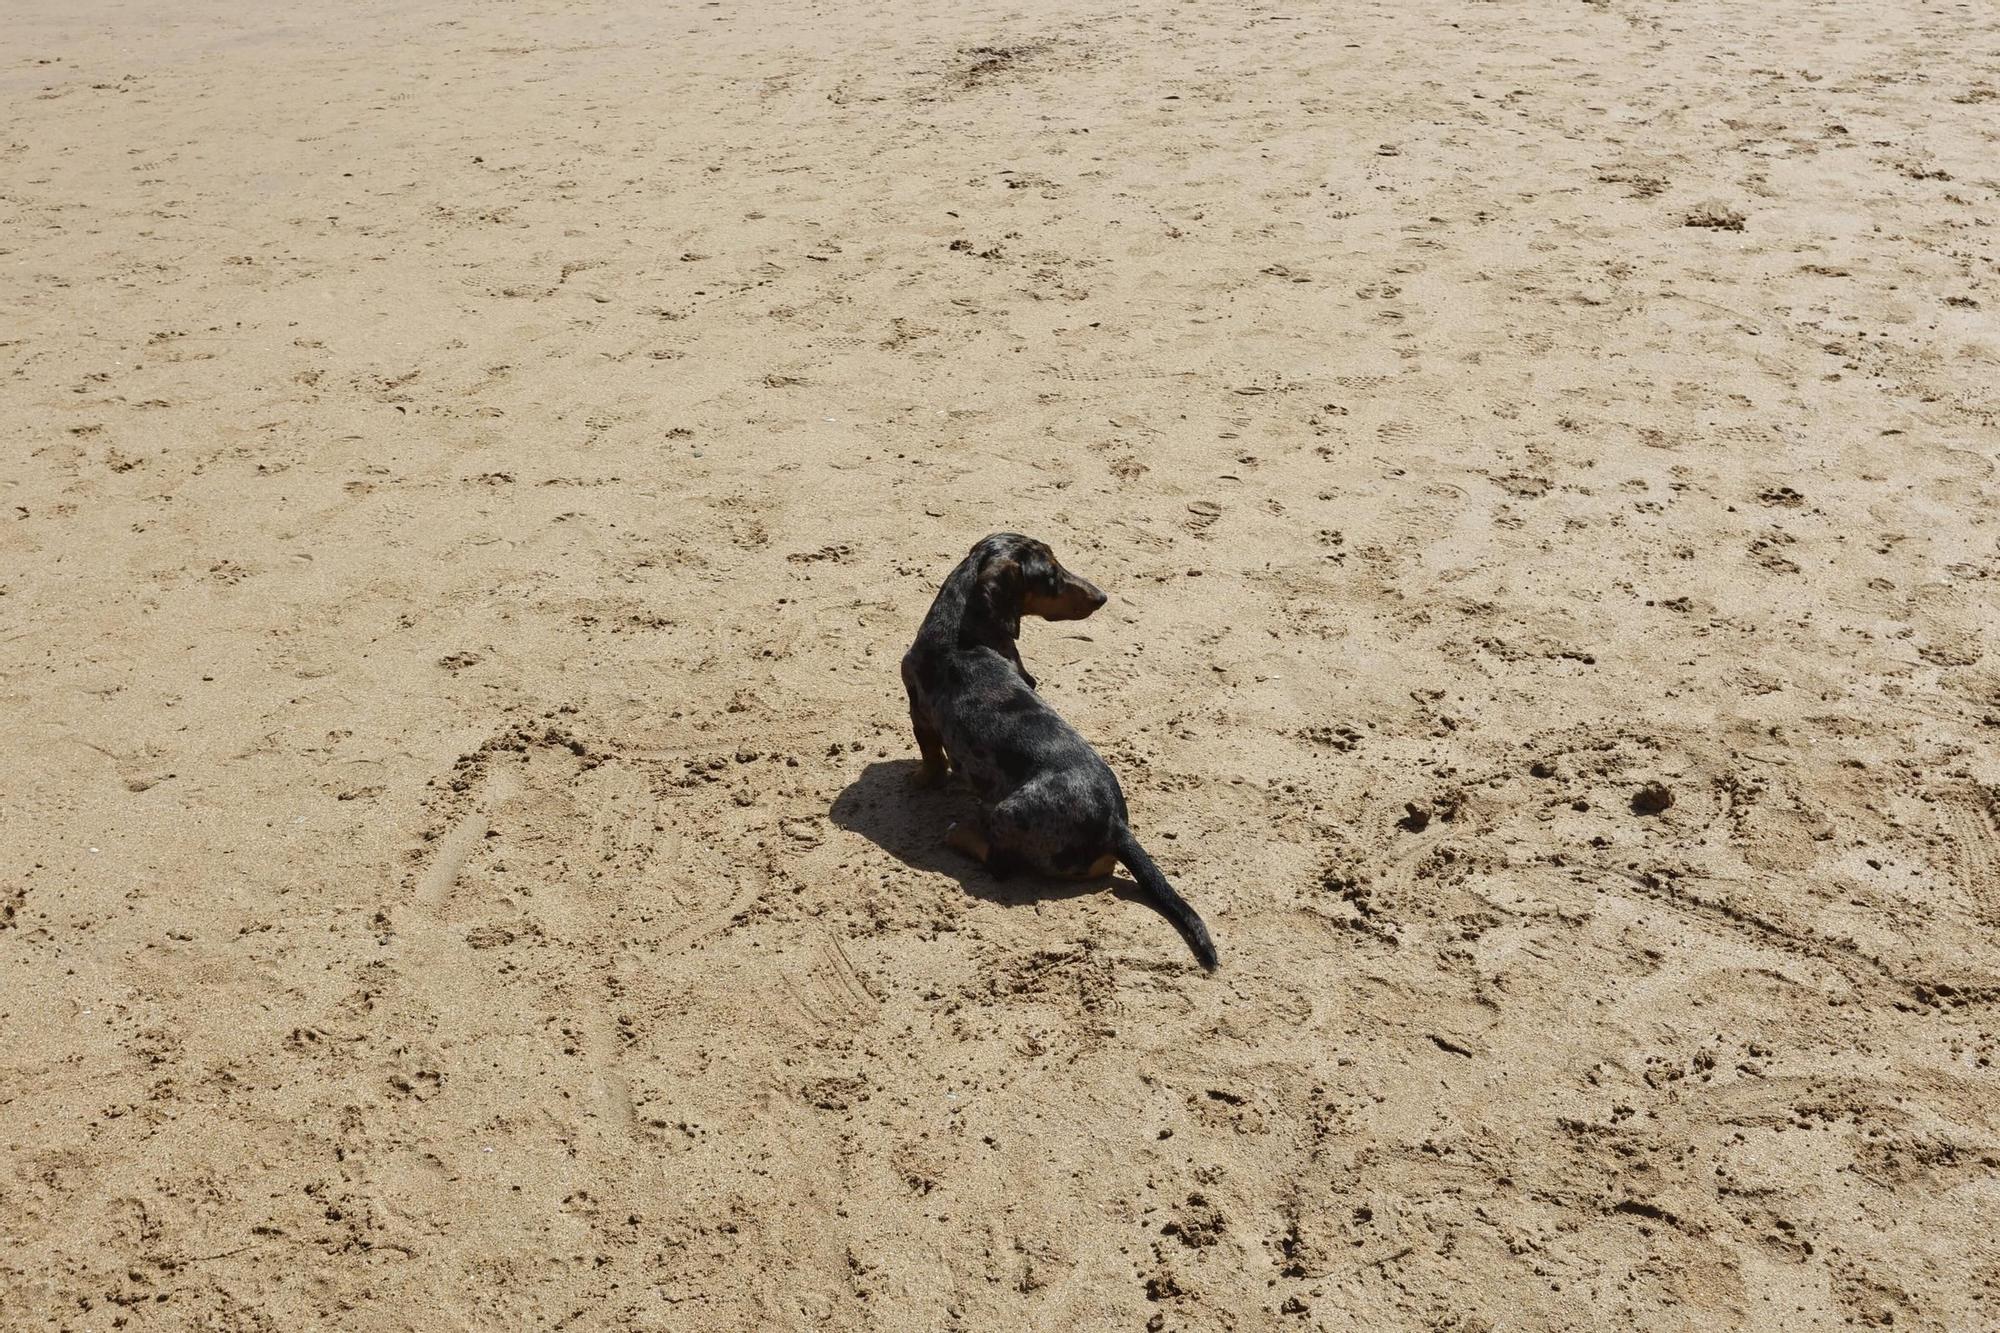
{"x": 1133, "y": 857}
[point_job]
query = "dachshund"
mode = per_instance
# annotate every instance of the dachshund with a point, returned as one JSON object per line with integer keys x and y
{"x": 1047, "y": 802}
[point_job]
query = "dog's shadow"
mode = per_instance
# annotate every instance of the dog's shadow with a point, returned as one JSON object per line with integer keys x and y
{"x": 884, "y": 806}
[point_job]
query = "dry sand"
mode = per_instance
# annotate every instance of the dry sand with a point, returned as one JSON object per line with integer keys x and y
{"x": 470, "y": 473}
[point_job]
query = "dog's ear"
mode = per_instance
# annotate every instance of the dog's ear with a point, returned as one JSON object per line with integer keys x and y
{"x": 998, "y": 592}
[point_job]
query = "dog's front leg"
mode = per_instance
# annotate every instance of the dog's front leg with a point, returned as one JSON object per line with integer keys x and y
{"x": 932, "y": 771}
{"x": 1014, "y": 651}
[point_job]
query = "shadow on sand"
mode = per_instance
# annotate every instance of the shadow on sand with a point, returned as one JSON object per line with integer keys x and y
{"x": 908, "y": 822}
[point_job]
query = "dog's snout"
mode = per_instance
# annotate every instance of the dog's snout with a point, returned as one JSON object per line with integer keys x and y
{"x": 1085, "y": 597}
{"x": 1063, "y": 596}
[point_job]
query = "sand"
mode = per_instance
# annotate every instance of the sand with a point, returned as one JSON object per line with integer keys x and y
{"x": 471, "y": 472}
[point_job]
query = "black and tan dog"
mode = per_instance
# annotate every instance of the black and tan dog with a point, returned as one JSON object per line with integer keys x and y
{"x": 1046, "y": 801}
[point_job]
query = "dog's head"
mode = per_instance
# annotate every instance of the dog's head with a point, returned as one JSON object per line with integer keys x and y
{"x": 1019, "y": 576}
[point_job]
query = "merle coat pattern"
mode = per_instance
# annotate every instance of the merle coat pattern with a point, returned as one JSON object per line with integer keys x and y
{"x": 1047, "y": 802}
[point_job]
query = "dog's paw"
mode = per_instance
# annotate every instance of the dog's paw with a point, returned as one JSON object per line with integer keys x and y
{"x": 967, "y": 839}
{"x": 927, "y": 777}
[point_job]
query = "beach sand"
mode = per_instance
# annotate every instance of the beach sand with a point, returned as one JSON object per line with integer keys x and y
{"x": 471, "y": 471}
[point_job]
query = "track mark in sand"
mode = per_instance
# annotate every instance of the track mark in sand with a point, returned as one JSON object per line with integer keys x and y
{"x": 1970, "y": 815}
{"x": 629, "y": 827}
{"x": 606, "y": 812}
{"x": 1739, "y": 920}
{"x": 446, "y": 863}
{"x": 710, "y": 924}
{"x": 601, "y": 1049}
{"x": 1861, "y": 968}
{"x": 828, "y": 989}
